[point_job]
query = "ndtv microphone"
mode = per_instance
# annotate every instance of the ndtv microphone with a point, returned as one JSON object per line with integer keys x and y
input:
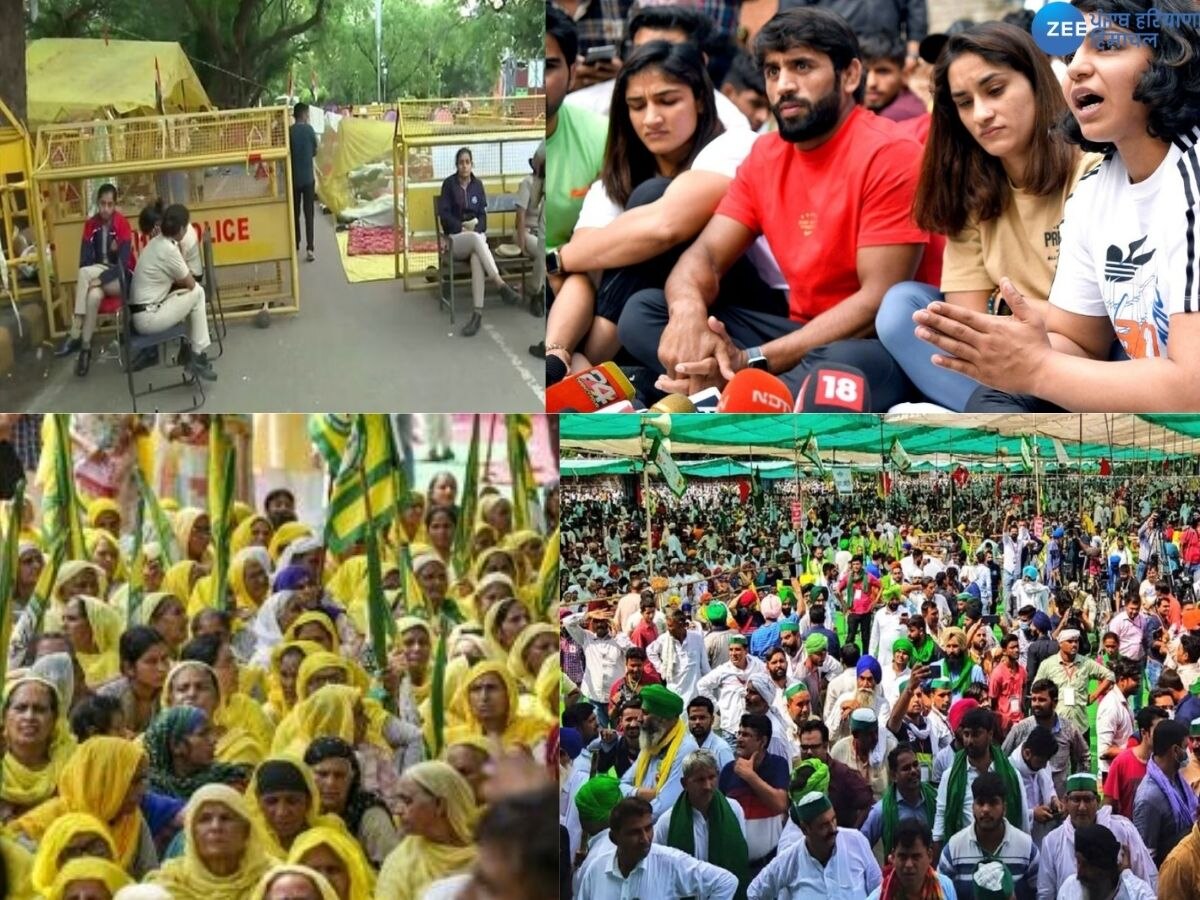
{"x": 589, "y": 390}
{"x": 753, "y": 390}
{"x": 835, "y": 388}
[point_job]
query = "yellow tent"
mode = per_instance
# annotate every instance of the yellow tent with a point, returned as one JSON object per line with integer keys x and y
{"x": 76, "y": 80}
{"x": 346, "y": 146}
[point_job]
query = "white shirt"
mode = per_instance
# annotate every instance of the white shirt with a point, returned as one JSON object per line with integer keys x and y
{"x": 604, "y": 659}
{"x": 1126, "y": 248}
{"x": 719, "y": 747}
{"x": 726, "y": 687}
{"x": 1031, "y": 593}
{"x": 886, "y": 626}
{"x": 1038, "y": 787}
{"x": 681, "y": 664}
{"x": 189, "y": 246}
{"x": 699, "y": 828}
{"x": 850, "y": 874}
{"x": 1057, "y": 859}
{"x": 1114, "y": 725}
{"x": 159, "y": 266}
{"x": 968, "y": 814}
{"x": 672, "y": 785}
{"x": 598, "y": 99}
{"x": 665, "y": 874}
{"x": 1129, "y": 887}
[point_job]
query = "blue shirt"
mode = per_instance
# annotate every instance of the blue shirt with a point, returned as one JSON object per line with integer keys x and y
{"x": 872, "y": 828}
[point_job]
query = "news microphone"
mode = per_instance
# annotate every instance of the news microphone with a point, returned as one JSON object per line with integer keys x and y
{"x": 674, "y": 403}
{"x": 753, "y": 390}
{"x": 589, "y": 390}
{"x": 835, "y": 387}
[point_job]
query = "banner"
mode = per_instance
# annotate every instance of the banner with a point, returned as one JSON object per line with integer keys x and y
{"x": 1060, "y": 452}
{"x": 667, "y": 468}
{"x": 843, "y": 480}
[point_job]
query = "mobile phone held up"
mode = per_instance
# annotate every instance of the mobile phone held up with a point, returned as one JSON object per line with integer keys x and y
{"x": 603, "y": 53}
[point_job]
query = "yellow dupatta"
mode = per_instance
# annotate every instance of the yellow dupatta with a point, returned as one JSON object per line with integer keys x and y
{"x": 277, "y": 705}
{"x": 88, "y": 868}
{"x": 324, "y": 888}
{"x": 346, "y": 848}
{"x": 327, "y": 713}
{"x": 57, "y": 838}
{"x": 519, "y": 730}
{"x": 106, "y": 624}
{"x": 312, "y": 815}
{"x": 242, "y": 535}
{"x": 671, "y": 741}
{"x": 25, "y": 787}
{"x": 237, "y": 744}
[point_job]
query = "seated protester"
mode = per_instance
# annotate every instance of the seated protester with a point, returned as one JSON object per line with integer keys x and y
{"x": 164, "y": 292}
{"x": 531, "y": 224}
{"x": 887, "y": 87}
{"x": 829, "y": 159}
{"x": 745, "y": 87}
{"x": 107, "y": 248}
{"x": 462, "y": 208}
{"x": 1127, "y": 272}
{"x": 995, "y": 104}
{"x": 661, "y": 119}
{"x": 676, "y": 25}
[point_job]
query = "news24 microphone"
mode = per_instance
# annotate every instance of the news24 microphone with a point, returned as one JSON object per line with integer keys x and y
{"x": 753, "y": 390}
{"x": 835, "y": 388}
{"x": 589, "y": 390}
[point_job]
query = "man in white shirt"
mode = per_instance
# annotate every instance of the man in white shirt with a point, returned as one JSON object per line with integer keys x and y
{"x": 679, "y": 655}
{"x": 637, "y": 867}
{"x": 700, "y": 774}
{"x": 1015, "y": 538}
{"x": 726, "y": 684}
{"x": 603, "y": 654}
{"x": 1114, "y": 720}
{"x": 1030, "y": 592}
{"x": 657, "y": 774}
{"x": 1083, "y": 808}
{"x": 1129, "y": 627}
{"x": 831, "y": 863}
{"x": 1030, "y": 760}
{"x": 890, "y": 622}
{"x": 1100, "y": 870}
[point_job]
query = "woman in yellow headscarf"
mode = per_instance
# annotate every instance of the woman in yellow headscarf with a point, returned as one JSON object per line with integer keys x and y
{"x": 93, "y": 629}
{"x": 225, "y": 851}
{"x": 193, "y": 683}
{"x": 548, "y": 687}
{"x": 495, "y": 559}
{"x": 314, "y": 626}
{"x": 71, "y": 836}
{"x": 250, "y": 577}
{"x": 89, "y": 869}
{"x": 283, "y": 883}
{"x": 106, "y": 514}
{"x": 253, "y": 531}
{"x": 502, "y": 625}
{"x": 489, "y": 705}
{"x": 165, "y": 613}
{"x": 282, "y": 678}
{"x": 329, "y": 712}
{"x": 469, "y": 755}
{"x": 533, "y": 645}
{"x": 18, "y": 865}
{"x": 103, "y": 550}
{"x": 193, "y": 531}
{"x": 38, "y": 741}
{"x": 75, "y": 576}
{"x": 181, "y": 578}
{"x": 285, "y": 802}
{"x": 490, "y": 590}
{"x": 106, "y": 777}
{"x": 439, "y": 814}
{"x": 284, "y": 535}
{"x": 337, "y": 856}
{"x": 411, "y": 656}
{"x": 528, "y": 546}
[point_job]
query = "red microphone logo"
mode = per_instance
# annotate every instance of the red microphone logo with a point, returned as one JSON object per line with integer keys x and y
{"x": 840, "y": 389}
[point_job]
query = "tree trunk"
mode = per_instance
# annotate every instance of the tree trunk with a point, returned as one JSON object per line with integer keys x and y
{"x": 12, "y": 58}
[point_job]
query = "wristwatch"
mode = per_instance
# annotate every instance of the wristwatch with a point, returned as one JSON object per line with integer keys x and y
{"x": 755, "y": 359}
{"x": 553, "y": 264}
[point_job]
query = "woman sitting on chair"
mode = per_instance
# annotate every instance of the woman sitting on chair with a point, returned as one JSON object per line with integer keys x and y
{"x": 165, "y": 292}
{"x": 107, "y": 246}
{"x": 463, "y": 211}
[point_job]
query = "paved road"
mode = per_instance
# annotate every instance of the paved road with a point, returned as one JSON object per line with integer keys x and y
{"x": 353, "y": 347}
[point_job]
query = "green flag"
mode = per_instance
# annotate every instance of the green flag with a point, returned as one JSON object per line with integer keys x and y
{"x": 61, "y": 522}
{"x": 437, "y": 698}
{"x": 137, "y": 586}
{"x": 377, "y": 606}
{"x": 1026, "y": 456}
{"x": 460, "y": 555}
{"x": 10, "y": 558}
{"x": 549, "y": 575}
{"x": 899, "y": 457}
{"x": 222, "y": 466}
{"x": 810, "y": 451}
{"x": 328, "y": 433}
{"x": 370, "y": 446}
{"x": 158, "y": 517}
{"x": 520, "y": 430}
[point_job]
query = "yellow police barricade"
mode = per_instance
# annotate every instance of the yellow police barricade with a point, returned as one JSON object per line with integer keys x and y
{"x": 231, "y": 168}
{"x": 502, "y": 134}
{"x": 24, "y": 268}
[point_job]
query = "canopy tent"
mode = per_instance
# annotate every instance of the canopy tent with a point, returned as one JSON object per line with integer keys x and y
{"x": 863, "y": 440}
{"x": 79, "y": 80}
{"x": 768, "y": 470}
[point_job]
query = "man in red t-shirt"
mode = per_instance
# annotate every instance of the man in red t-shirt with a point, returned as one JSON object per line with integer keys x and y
{"x": 832, "y": 193}
{"x": 1129, "y": 767}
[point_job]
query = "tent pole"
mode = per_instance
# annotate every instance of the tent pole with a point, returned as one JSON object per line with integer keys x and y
{"x": 646, "y": 502}
{"x": 1079, "y": 468}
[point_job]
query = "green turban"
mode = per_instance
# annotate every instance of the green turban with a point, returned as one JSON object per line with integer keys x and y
{"x": 787, "y": 625}
{"x": 798, "y": 688}
{"x": 658, "y": 701}
{"x": 816, "y": 642}
{"x": 818, "y": 777}
{"x": 716, "y": 612}
{"x": 597, "y": 796}
{"x": 844, "y": 544}
{"x": 892, "y": 590}
{"x": 904, "y": 644}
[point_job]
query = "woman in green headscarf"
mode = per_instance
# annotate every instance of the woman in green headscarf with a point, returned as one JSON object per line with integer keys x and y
{"x": 181, "y": 745}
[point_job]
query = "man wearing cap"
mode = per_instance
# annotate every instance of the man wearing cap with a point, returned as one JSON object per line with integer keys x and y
{"x": 594, "y": 802}
{"x": 977, "y": 758}
{"x": 679, "y": 655}
{"x": 990, "y": 835}
{"x": 866, "y": 693}
{"x": 758, "y": 780}
{"x": 858, "y": 590}
{"x": 726, "y": 684}
{"x": 816, "y": 620}
{"x": 1057, "y": 862}
{"x": 865, "y": 750}
{"x": 799, "y": 711}
{"x": 1040, "y": 645}
{"x": 603, "y": 654}
{"x": 818, "y": 667}
{"x": 665, "y": 742}
{"x": 793, "y": 647}
{"x": 831, "y": 862}
{"x": 897, "y": 670}
{"x": 890, "y": 622}
{"x": 1029, "y": 591}
{"x": 1072, "y": 672}
{"x": 638, "y": 867}
{"x": 766, "y": 636}
{"x": 704, "y": 823}
{"x": 716, "y": 640}
{"x": 1101, "y": 872}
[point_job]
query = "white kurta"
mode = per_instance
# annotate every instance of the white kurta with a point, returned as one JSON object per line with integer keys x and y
{"x": 851, "y": 873}
{"x": 680, "y": 663}
{"x": 726, "y": 687}
{"x": 671, "y": 788}
{"x": 1057, "y": 859}
{"x": 665, "y": 874}
{"x": 699, "y": 828}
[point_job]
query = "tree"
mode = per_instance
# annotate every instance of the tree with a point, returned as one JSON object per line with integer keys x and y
{"x": 12, "y": 58}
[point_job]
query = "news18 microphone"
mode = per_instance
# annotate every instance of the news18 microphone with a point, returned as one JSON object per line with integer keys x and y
{"x": 753, "y": 390}
{"x": 589, "y": 390}
{"x": 835, "y": 388}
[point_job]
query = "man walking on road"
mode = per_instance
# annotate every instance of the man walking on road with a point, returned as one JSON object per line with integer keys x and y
{"x": 303, "y": 142}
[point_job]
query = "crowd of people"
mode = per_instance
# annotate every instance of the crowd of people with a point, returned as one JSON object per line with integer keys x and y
{"x": 861, "y": 703}
{"x": 163, "y": 738}
{"x": 915, "y": 205}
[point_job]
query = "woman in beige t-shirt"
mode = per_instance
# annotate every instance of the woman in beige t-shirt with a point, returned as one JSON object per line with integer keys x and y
{"x": 995, "y": 177}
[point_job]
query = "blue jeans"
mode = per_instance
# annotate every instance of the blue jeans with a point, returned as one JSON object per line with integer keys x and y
{"x": 896, "y": 329}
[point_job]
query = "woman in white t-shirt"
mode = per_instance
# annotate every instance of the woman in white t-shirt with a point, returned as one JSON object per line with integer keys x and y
{"x": 165, "y": 291}
{"x": 1128, "y": 275}
{"x": 662, "y": 116}
{"x": 994, "y": 179}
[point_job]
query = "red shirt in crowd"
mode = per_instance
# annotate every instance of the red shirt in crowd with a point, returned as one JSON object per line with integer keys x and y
{"x": 818, "y": 207}
{"x": 1006, "y": 688}
{"x": 1124, "y": 776}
